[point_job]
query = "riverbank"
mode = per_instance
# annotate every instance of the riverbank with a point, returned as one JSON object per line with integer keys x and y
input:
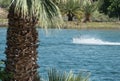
{"x": 3, "y": 22}
{"x": 79, "y": 25}
{"x": 92, "y": 25}
{"x": 68, "y": 25}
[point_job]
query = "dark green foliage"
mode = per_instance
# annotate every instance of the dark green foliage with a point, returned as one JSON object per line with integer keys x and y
{"x": 5, "y": 3}
{"x": 114, "y": 8}
{"x": 104, "y": 6}
{"x": 3, "y": 74}
{"x": 111, "y": 8}
{"x": 54, "y": 75}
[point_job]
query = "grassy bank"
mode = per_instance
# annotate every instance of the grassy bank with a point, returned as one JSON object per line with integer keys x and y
{"x": 79, "y": 25}
{"x": 3, "y": 22}
{"x": 92, "y": 25}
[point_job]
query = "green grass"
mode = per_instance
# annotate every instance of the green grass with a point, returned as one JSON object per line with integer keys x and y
{"x": 3, "y": 22}
{"x": 91, "y": 25}
{"x": 79, "y": 25}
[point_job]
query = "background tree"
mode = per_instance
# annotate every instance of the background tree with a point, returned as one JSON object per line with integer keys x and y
{"x": 114, "y": 9}
{"x": 5, "y": 3}
{"x": 71, "y": 8}
{"x": 111, "y": 8}
{"x": 22, "y": 37}
{"x": 89, "y": 7}
{"x": 104, "y": 7}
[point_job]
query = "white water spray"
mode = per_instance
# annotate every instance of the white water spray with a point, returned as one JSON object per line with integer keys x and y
{"x": 93, "y": 41}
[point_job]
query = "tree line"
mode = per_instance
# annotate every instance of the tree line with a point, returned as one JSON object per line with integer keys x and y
{"x": 79, "y": 8}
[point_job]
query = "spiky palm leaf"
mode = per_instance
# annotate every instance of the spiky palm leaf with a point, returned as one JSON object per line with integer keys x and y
{"x": 59, "y": 1}
{"x": 89, "y": 7}
{"x": 71, "y": 7}
{"x": 54, "y": 75}
{"x": 44, "y": 10}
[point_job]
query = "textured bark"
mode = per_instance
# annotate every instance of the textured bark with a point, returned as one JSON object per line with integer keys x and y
{"x": 21, "y": 53}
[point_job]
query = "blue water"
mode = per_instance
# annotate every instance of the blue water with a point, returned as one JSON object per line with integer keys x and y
{"x": 96, "y": 51}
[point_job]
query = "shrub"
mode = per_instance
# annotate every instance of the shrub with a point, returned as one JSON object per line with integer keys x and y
{"x": 54, "y": 75}
{"x": 3, "y": 74}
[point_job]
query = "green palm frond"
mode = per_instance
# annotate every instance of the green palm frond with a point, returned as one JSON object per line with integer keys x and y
{"x": 21, "y": 7}
{"x": 44, "y": 10}
{"x": 71, "y": 5}
{"x": 90, "y": 7}
{"x": 50, "y": 14}
{"x": 58, "y": 1}
{"x": 54, "y": 75}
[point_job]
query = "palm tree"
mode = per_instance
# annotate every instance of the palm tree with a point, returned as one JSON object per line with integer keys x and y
{"x": 89, "y": 7}
{"x": 22, "y": 37}
{"x": 71, "y": 8}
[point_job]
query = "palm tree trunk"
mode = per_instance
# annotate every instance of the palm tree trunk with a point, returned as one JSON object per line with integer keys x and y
{"x": 21, "y": 53}
{"x": 87, "y": 18}
{"x": 70, "y": 16}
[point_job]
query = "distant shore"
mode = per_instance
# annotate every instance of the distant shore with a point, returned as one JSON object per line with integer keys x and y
{"x": 3, "y": 22}
{"x": 79, "y": 25}
{"x": 92, "y": 25}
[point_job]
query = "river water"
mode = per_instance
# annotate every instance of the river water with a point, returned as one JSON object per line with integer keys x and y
{"x": 96, "y": 51}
